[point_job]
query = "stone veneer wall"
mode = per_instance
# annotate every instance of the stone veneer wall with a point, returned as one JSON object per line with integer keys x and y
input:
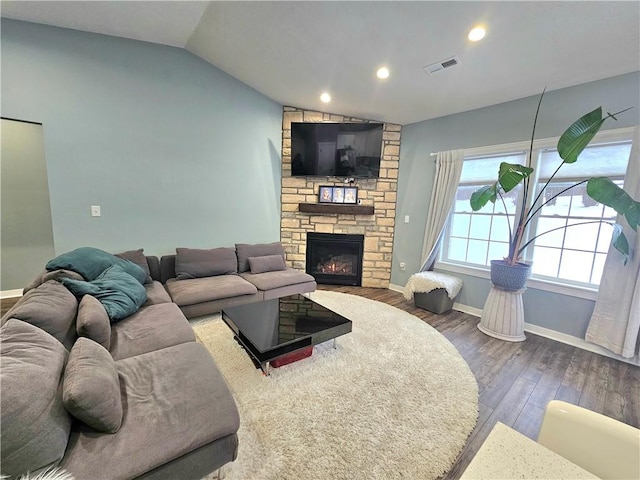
{"x": 378, "y": 229}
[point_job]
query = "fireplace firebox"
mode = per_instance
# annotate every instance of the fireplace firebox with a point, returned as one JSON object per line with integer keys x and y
{"x": 335, "y": 258}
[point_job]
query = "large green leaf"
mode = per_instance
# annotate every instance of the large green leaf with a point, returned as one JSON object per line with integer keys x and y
{"x": 480, "y": 197}
{"x": 620, "y": 242}
{"x": 605, "y": 191}
{"x": 575, "y": 138}
{"x": 511, "y": 174}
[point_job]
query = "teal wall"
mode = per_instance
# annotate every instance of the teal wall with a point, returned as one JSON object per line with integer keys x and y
{"x": 176, "y": 152}
{"x": 503, "y": 123}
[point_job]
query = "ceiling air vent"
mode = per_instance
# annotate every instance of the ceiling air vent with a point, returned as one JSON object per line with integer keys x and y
{"x": 447, "y": 63}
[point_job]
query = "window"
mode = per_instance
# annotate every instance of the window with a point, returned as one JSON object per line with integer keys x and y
{"x": 573, "y": 255}
{"x": 477, "y": 237}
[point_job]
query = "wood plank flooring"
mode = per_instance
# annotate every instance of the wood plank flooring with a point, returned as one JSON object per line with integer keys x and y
{"x": 517, "y": 380}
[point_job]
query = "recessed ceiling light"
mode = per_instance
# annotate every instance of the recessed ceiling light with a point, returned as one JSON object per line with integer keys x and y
{"x": 477, "y": 33}
{"x": 383, "y": 72}
{"x": 325, "y": 97}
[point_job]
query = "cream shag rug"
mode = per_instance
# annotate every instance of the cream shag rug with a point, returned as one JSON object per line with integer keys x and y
{"x": 394, "y": 399}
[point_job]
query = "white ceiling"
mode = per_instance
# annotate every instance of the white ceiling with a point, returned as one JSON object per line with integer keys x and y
{"x": 293, "y": 51}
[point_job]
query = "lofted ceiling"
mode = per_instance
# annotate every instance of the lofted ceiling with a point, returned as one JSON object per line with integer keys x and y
{"x": 293, "y": 51}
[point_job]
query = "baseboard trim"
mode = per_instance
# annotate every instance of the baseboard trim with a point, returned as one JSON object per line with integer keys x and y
{"x": 557, "y": 336}
{"x": 476, "y": 312}
{"x": 10, "y": 293}
{"x": 546, "y": 332}
{"x": 578, "y": 342}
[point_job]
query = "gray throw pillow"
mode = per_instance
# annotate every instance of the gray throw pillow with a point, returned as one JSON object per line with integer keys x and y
{"x": 137, "y": 257}
{"x": 91, "y": 387}
{"x": 53, "y": 275}
{"x": 244, "y": 251}
{"x": 50, "y": 307}
{"x": 93, "y": 321}
{"x": 35, "y": 425}
{"x": 267, "y": 263}
{"x": 198, "y": 263}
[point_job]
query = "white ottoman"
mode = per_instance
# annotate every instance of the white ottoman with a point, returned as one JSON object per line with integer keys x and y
{"x": 433, "y": 291}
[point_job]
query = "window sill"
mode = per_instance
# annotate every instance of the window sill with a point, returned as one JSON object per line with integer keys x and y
{"x": 535, "y": 283}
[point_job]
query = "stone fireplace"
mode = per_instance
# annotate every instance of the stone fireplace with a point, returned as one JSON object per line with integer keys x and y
{"x": 335, "y": 258}
{"x": 373, "y": 219}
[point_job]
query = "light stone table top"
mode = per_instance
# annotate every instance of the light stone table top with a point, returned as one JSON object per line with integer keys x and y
{"x": 507, "y": 454}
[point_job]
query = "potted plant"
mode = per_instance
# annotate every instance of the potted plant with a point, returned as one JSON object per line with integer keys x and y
{"x": 511, "y": 273}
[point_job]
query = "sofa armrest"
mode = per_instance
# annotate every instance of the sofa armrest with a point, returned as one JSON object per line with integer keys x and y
{"x": 154, "y": 266}
{"x": 167, "y": 267}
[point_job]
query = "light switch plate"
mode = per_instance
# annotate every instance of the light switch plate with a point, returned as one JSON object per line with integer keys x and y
{"x": 95, "y": 210}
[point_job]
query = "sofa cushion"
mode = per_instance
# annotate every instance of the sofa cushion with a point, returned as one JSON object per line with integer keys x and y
{"x": 93, "y": 321}
{"x": 295, "y": 289}
{"x": 150, "y": 328}
{"x": 120, "y": 293}
{"x": 244, "y": 251}
{"x": 267, "y": 263}
{"x": 91, "y": 389}
{"x": 35, "y": 425}
{"x": 198, "y": 290}
{"x": 138, "y": 257}
{"x": 91, "y": 262}
{"x": 53, "y": 275}
{"x": 198, "y": 263}
{"x": 156, "y": 293}
{"x": 176, "y": 401}
{"x": 216, "y": 306}
{"x": 50, "y": 307}
{"x": 270, "y": 280}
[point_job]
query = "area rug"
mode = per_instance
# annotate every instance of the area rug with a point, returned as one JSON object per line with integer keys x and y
{"x": 394, "y": 399}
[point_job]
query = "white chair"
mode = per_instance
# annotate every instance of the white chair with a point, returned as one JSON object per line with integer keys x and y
{"x": 601, "y": 445}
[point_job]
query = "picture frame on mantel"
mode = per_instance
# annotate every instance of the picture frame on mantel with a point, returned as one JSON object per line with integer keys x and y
{"x": 338, "y": 195}
{"x": 325, "y": 194}
{"x": 351, "y": 195}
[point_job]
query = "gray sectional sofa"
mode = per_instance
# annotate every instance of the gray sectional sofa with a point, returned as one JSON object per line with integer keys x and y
{"x": 132, "y": 398}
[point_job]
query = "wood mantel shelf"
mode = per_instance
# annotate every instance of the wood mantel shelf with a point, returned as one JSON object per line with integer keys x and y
{"x": 336, "y": 208}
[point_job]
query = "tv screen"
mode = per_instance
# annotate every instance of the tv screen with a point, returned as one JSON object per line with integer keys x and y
{"x": 336, "y": 149}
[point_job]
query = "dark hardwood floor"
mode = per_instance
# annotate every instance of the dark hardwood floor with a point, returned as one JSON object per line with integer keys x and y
{"x": 517, "y": 380}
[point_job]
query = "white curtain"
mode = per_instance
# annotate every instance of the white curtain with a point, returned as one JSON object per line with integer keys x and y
{"x": 448, "y": 170}
{"x": 615, "y": 323}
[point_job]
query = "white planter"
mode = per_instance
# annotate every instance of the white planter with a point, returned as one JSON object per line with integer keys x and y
{"x": 503, "y": 315}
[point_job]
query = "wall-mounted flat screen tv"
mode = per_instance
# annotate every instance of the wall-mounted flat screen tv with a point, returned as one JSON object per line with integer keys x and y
{"x": 336, "y": 149}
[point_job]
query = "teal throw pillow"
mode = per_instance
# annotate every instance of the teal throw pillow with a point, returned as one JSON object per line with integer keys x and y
{"x": 120, "y": 293}
{"x": 91, "y": 262}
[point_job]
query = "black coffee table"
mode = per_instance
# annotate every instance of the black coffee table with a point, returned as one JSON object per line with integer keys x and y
{"x": 275, "y": 328}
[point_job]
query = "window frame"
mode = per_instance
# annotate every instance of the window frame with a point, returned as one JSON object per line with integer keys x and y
{"x": 557, "y": 285}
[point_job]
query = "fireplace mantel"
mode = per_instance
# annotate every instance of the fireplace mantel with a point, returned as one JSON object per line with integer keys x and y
{"x": 336, "y": 208}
